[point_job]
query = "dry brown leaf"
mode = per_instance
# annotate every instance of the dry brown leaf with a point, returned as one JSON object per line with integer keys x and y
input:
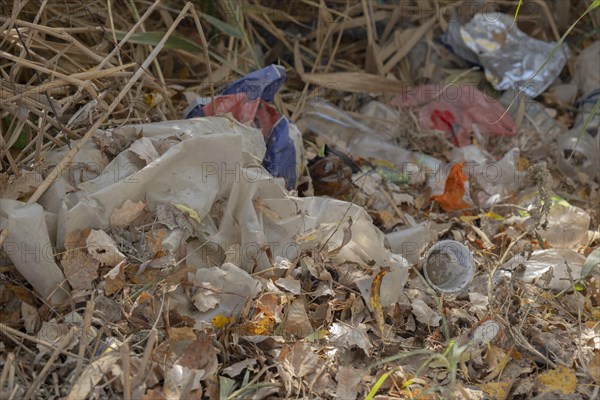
{"x": 21, "y": 187}
{"x": 154, "y": 394}
{"x": 355, "y": 82}
{"x": 114, "y": 280}
{"x": 385, "y": 218}
{"x": 496, "y": 360}
{"x": 19, "y": 292}
{"x": 9, "y": 308}
{"x": 497, "y": 390}
{"x": 594, "y": 367}
{"x": 103, "y": 248}
{"x": 80, "y": 268}
{"x": 154, "y": 239}
{"x": 290, "y": 284}
{"x": 235, "y": 369}
{"x": 179, "y": 275}
{"x": 297, "y": 322}
{"x": 31, "y": 318}
{"x": 144, "y": 149}
{"x": 425, "y": 314}
{"x": 180, "y": 339}
{"x": 201, "y": 355}
{"x": 127, "y": 213}
{"x": 348, "y": 379}
{"x": 261, "y": 326}
{"x": 271, "y": 304}
{"x": 93, "y": 373}
{"x": 76, "y": 240}
{"x": 375, "y": 300}
{"x": 344, "y": 335}
{"x": 299, "y": 360}
{"x": 562, "y": 379}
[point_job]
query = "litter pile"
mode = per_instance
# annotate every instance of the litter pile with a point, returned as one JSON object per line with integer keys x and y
{"x": 196, "y": 215}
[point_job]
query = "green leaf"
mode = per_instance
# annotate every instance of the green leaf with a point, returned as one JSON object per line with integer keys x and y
{"x": 226, "y": 387}
{"x": 153, "y": 38}
{"x": 223, "y": 26}
{"x": 193, "y": 214}
{"x": 23, "y": 138}
{"x": 21, "y": 141}
{"x": 592, "y": 260}
{"x": 174, "y": 43}
{"x": 316, "y": 335}
{"x": 321, "y": 152}
{"x": 558, "y": 201}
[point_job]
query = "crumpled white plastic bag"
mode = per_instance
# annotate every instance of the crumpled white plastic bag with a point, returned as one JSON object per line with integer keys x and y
{"x": 212, "y": 166}
{"x": 29, "y": 249}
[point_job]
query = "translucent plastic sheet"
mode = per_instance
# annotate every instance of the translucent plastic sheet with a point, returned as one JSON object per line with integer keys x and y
{"x": 211, "y": 167}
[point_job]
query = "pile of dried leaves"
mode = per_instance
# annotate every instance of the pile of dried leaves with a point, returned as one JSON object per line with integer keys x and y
{"x": 149, "y": 316}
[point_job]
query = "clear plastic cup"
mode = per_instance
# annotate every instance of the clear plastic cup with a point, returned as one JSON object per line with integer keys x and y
{"x": 567, "y": 226}
{"x": 449, "y": 266}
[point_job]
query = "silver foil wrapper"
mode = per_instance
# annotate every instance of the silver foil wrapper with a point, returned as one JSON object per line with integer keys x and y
{"x": 509, "y": 57}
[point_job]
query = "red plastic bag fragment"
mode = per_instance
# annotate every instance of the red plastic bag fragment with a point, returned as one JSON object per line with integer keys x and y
{"x": 247, "y": 99}
{"x": 443, "y": 120}
{"x": 455, "y": 109}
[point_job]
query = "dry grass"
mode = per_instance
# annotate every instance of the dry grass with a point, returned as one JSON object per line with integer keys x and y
{"x": 68, "y": 68}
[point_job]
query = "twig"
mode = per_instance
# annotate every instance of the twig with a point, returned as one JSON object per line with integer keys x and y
{"x": 26, "y": 48}
{"x": 10, "y": 331}
{"x": 141, "y": 376}
{"x": 40, "y": 68}
{"x": 83, "y": 340}
{"x": 53, "y": 176}
{"x": 10, "y": 358}
{"x": 300, "y": 104}
{"x": 241, "y": 390}
{"x": 86, "y": 75}
{"x": 522, "y": 343}
{"x": 157, "y": 67}
{"x": 57, "y": 171}
{"x": 207, "y": 56}
{"x": 395, "y": 207}
{"x": 64, "y": 342}
{"x": 60, "y": 33}
{"x": 501, "y": 261}
{"x": 126, "y": 365}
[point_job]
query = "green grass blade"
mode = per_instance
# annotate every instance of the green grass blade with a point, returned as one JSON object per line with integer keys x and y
{"x": 223, "y": 26}
{"x": 587, "y": 122}
{"x": 377, "y": 385}
{"x": 517, "y": 12}
{"x": 590, "y": 262}
{"x": 591, "y": 7}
